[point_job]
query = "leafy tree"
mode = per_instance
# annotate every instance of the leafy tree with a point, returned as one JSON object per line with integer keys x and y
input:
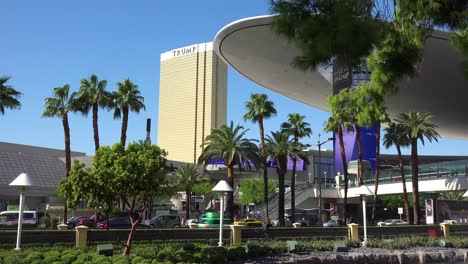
{"x": 92, "y": 96}
{"x": 298, "y": 129}
{"x": 260, "y": 108}
{"x": 118, "y": 174}
{"x": 395, "y": 135}
{"x": 8, "y": 96}
{"x": 323, "y": 29}
{"x": 417, "y": 126}
{"x": 252, "y": 191}
{"x": 187, "y": 176}
{"x": 126, "y": 98}
{"x": 58, "y": 106}
{"x": 228, "y": 143}
{"x": 279, "y": 148}
{"x": 205, "y": 189}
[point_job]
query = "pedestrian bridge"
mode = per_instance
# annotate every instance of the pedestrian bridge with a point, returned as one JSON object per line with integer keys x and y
{"x": 434, "y": 177}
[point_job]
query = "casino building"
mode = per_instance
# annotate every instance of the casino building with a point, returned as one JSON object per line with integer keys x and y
{"x": 192, "y": 99}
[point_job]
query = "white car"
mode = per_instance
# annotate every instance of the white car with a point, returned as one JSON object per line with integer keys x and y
{"x": 390, "y": 222}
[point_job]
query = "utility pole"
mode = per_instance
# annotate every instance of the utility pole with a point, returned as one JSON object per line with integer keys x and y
{"x": 319, "y": 176}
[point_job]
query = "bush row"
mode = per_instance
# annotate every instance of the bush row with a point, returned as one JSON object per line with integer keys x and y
{"x": 147, "y": 253}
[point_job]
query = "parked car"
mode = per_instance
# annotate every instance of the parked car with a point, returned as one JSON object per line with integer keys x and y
{"x": 11, "y": 217}
{"x": 73, "y": 222}
{"x": 390, "y": 222}
{"x": 191, "y": 221}
{"x": 164, "y": 221}
{"x": 249, "y": 222}
{"x": 119, "y": 222}
{"x": 89, "y": 221}
{"x": 333, "y": 223}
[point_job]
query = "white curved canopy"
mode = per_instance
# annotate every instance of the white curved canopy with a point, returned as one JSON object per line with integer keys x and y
{"x": 252, "y": 49}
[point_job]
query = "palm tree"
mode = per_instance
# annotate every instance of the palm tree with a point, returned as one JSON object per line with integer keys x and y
{"x": 417, "y": 125}
{"x": 126, "y": 98}
{"x": 8, "y": 96}
{"x": 187, "y": 176}
{"x": 93, "y": 95}
{"x": 58, "y": 106}
{"x": 279, "y": 148}
{"x": 298, "y": 129}
{"x": 228, "y": 143}
{"x": 336, "y": 123}
{"x": 258, "y": 109}
{"x": 373, "y": 113}
{"x": 395, "y": 135}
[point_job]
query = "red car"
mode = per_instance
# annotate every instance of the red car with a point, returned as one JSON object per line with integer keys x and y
{"x": 89, "y": 221}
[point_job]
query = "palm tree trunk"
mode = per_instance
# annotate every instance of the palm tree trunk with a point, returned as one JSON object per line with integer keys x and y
{"x": 377, "y": 169}
{"x": 281, "y": 197}
{"x": 293, "y": 192}
{"x": 123, "y": 136}
{"x": 189, "y": 202}
{"x": 360, "y": 166}
{"x": 265, "y": 169}
{"x": 345, "y": 170}
{"x": 95, "y": 126}
{"x": 414, "y": 179}
{"x": 230, "y": 195}
{"x": 66, "y": 130}
{"x": 403, "y": 180}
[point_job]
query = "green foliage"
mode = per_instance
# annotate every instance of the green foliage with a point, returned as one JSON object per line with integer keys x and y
{"x": 8, "y": 96}
{"x": 129, "y": 175}
{"x": 404, "y": 242}
{"x": 324, "y": 29}
{"x": 236, "y": 253}
{"x": 145, "y": 251}
{"x": 51, "y": 256}
{"x": 204, "y": 189}
{"x": 45, "y": 222}
{"x": 184, "y": 256}
{"x": 253, "y": 190}
{"x": 213, "y": 255}
{"x": 33, "y": 257}
{"x": 317, "y": 245}
{"x": 140, "y": 260}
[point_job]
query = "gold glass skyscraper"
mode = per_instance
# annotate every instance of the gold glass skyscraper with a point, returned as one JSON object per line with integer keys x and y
{"x": 192, "y": 99}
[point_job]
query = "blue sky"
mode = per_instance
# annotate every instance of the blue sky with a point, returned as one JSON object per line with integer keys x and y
{"x": 46, "y": 44}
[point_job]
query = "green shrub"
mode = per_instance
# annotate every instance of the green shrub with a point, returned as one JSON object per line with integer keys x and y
{"x": 69, "y": 257}
{"x": 258, "y": 251}
{"x": 54, "y": 222}
{"x": 213, "y": 255}
{"x": 44, "y": 222}
{"x": 51, "y": 256}
{"x": 459, "y": 242}
{"x": 35, "y": 257}
{"x": 236, "y": 253}
{"x": 140, "y": 260}
{"x": 84, "y": 258}
{"x": 145, "y": 251}
{"x": 101, "y": 259}
{"x": 317, "y": 245}
{"x": 119, "y": 259}
{"x": 184, "y": 256}
{"x": 167, "y": 254}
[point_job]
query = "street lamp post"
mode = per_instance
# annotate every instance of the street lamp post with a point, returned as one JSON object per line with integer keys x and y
{"x": 222, "y": 187}
{"x": 23, "y": 181}
{"x": 363, "y": 192}
{"x": 319, "y": 173}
